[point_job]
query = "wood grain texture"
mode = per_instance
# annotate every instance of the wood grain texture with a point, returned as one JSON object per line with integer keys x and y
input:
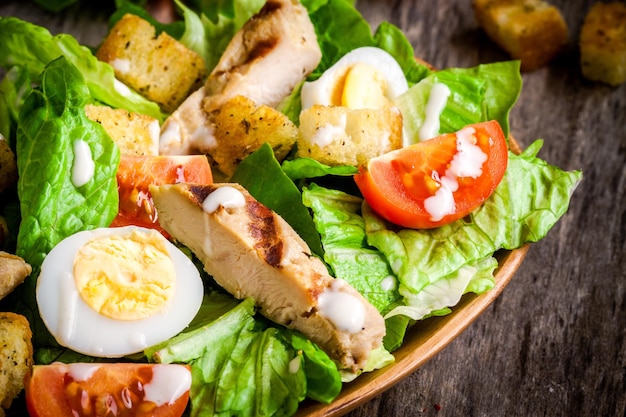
{"x": 552, "y": 344}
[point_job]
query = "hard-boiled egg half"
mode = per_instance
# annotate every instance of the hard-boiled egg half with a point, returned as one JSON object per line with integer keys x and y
{"x": 366, "y": 77}
{"x": 111, "y": 292}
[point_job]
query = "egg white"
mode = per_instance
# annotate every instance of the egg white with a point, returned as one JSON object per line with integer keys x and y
{"x": 75, "y": 325}
{"x": 320, "y": 90}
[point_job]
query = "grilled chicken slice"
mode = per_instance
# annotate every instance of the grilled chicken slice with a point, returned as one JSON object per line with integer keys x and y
{"x": 252, "y": 252}
{"x": 274, "y": 51}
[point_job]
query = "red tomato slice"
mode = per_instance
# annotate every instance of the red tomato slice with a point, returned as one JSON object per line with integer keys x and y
{"x": 437, "y": 181}
{"x": 135, "y": 175}
{"x": 122, "y": 389}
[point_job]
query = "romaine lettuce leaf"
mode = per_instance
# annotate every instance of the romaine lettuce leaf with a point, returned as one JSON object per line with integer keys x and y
{"x": 486, "y": 92}
{"x": 23, "y": 43}
{"x": 338, "y": 220}
{"x": 52, "y": 207}
{"x": 243, "y": 366}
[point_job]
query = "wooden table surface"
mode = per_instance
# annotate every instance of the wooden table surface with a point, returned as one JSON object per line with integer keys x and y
{"x": 553, "y": 343}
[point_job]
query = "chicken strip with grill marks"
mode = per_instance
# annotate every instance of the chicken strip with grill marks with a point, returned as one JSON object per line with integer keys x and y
{"x": 252, "y": 252}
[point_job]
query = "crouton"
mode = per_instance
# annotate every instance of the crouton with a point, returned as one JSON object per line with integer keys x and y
{"x": 338, "y": 135}
{"x": 602, "y": 43}
{"x": 134, "y": 133}
{"x": 13, "y": 271}
{"x": 532, "y": 31}
{"x": 8, "y": 165}
{"x": 16, "y": 356}
{"x": 241, "y": 128}
{"x": 159, "y": 67}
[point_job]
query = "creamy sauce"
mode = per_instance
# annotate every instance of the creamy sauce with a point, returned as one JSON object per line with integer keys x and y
{"x": 388, "y": 283}
{"x": 83, "y": 166}
{"x": 343, "y": 309}
{"x": 294, "y": 365}
{"x": 226, "y": 196}
{"x": 67, "y": 314}
{"x": 121, "y": 65}
{"x": 325, "y": 135}
{"x": 82, "y": 371}
{"x": 168, "y": 383}
{"x": 121, "y": 88}
{"x": 436, "y": 103}
{"x": 467, "y": 162}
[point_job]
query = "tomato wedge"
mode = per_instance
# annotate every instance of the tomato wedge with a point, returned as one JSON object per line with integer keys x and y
{"x": 107, "y": 389}
{"x": 135, "y": 175}
{"x": 437, "y": 181}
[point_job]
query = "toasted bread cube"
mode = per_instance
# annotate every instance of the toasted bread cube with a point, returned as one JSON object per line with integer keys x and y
{"x": 603, "y": 43}
{"x": 532, "y": 31}
{"x": 134, "y": 133}
{"x": 8, "y": 165}
{"x": 13, "y": 271}
{"x": 16, "y": 356}
{"x": 241, "y": 127}
{"x": 158, "y": 67}
{"x": 338, "y": 135}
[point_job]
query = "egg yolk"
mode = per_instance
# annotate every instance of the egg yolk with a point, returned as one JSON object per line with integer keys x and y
{"x": 125, "y": 277}
{"x": 361, "y": 87}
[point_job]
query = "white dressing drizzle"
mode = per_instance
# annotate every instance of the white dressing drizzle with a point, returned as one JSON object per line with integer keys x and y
{"x": 343, "y": 309}
{"x": 325, "y": 135}
{"x": 67, "y": 315}
{"x": 121, "y": 65}
{"x": 82, "y": 371}
{"x": 168, "y": 383}
{"x": 467, "y": 162}
{"x": 437, "y": 100}
{"x": 83, "y": 166}
{"x": 388, "y": 283}
{"x": 121, "y": 88}
{"x": 226, "y": 196}
{"x": 294, "y": 365}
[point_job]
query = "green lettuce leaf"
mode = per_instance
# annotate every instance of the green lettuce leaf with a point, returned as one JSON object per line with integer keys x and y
{"x": 32, "y": 46}
{"x": 52, "y": 207}
{"x": 243, "y": 366}
{"x": 338, "y": 220}
{"x": 486, "y": 92}
{"x": 302, "y": 168}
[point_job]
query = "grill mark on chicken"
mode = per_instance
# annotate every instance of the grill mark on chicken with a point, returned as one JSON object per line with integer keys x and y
{"x": 263, "y": 229}
{"x": 269, "y": 7}
{"x": 199, "y": 193}
{"x": 260, "y": 50}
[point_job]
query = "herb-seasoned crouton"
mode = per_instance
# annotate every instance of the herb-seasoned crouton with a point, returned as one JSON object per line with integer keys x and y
{"x": 338, "y": 135}
{"x": 8, "y": 165}
{"x": 241, "y": 128}
{"x": 134, "y": 133}
{"x": 159, "y": 67}
{"x": 532, "y": 31}
{"x": 16, "y": 356}
{"x": 13, "y": 271}
{"x": 603, "y": 43}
